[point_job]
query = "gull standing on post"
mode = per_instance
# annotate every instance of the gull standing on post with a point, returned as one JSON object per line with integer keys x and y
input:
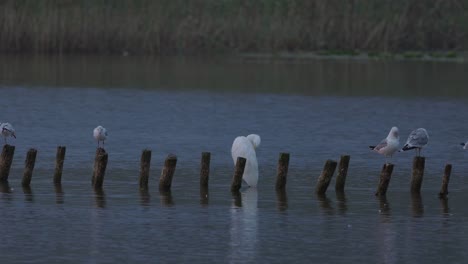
{"x": 100, "y": 134}
{"x": 416, "y": 140}
{"x": 389, "y": 145}
{"x": 245, "y": 147}
{"x": 7, "y": 130}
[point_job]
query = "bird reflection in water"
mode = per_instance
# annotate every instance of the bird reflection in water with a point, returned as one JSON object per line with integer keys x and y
{"x": 243, "y": 228}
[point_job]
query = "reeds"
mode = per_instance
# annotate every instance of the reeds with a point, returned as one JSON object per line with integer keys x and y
{"x": 212, "y": 26}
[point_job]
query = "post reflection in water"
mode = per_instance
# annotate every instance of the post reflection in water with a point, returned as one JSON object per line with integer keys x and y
{"x": 341, "y": 202}
{"x": 59, "y": 199}
{"x": 145, "y": 197}
{"x": 325, "y": 203}
{"x": 417, "y": 207}
{"x": 444, "y": 205}
{"x": 386, "y": 233}
{"x": 384, "y": 207}
{"x": 282, "y": 199}
{"x": 243, "y": 243}
{"x": 100, "y": 198}
{"x": 28, "y": 194}
{"x": 166, "y": 198}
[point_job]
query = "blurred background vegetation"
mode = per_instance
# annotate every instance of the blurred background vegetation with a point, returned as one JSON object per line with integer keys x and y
{"x": 164, "y": 27}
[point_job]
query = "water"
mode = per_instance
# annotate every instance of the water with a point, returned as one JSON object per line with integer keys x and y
{"x": 315, "y": 110}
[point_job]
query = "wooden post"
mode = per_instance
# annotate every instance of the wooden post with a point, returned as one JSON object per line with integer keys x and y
{"x": 5, "y": 161}
{"x": 29, "y": 167}
{"x": 167, "y": 173}
{"x": 100, "y": 164}
{"x": 385, "y": 177}
{"x": 204, "y": 195}
{"x": 445, "y": 181}
{"x": 166, "y": 198}
{"x": 28, "y": 194}
{"x": 283, "y": 163}
{"x": 418, "y": 173}
{"x": 100, "y": 197}
{"x": 239, "y": 171}
{"x": 59, "y": 159}
{"x": 342, "y": 173}
{"x": 205, "y": 169}
{"x": 324, "y": 179}
{"x": 145, "y": 168}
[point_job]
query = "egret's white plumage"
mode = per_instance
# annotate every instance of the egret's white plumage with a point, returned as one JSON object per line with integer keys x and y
{"x": 417, "y": 139}
{"x": 388, "y": 145}
{"x": 245, "y": 147}
{"x": 100, "y": 134}
{"x": 7, "y": 130}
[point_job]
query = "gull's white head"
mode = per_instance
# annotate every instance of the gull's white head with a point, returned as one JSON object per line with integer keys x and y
{"x": 393, "y": 133}
{"x": 255, "y": 139}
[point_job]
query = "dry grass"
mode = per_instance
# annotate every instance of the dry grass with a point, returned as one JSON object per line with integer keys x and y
{"x": 212, "y": 26}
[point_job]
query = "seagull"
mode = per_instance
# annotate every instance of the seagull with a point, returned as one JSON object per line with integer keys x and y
{"x": 416, "y": 140}
{"x": 389, "y": 145}
{"x": 100, "y": 134}
{"x": 245, "y": 147}
{"x": 7, "y": 130}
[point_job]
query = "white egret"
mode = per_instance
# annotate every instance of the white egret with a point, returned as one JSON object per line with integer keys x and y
{"x": 100, "y": 134}
{"x": 417, "y": 139}
{"x": 388, "y": 145}
{"x": 245, "y": 147}
{"x": 7, "y": 130}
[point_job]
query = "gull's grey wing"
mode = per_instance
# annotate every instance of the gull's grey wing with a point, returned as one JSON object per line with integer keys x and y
{"x": 382, "y": 144}
{"x": 417, "y": 138}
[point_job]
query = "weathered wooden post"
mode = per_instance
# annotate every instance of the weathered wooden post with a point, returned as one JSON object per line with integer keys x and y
{"x": 5, "y": 161}
{"x": 324, "y": 179}
{"x": 445, "y": 181}
{"x": 204, "y": 195}
{"x": 205, "y": 169}
{"x": 100, "y": 164}
{"x": 385, "y": 177}
{"x": 236, "y": 198}
{"x": 28, "y": 194}
{"x": 166, "y": 198}
{"x": 283, "y": 164}
{"x": 418, "y": 173}
{"x": 5, "y": 187}
{"x": 59, "y": 159}
{"x": 145, "y": 168}
{"x": 239, "y": 171}
{"x": 29, "y": 167}
{"x": 342, "y": 173}
{"x": 167, "y": 173}
{"x": 100, "y": 197}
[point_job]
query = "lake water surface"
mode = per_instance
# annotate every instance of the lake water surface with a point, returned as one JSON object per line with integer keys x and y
{"x": 313, "y": 109}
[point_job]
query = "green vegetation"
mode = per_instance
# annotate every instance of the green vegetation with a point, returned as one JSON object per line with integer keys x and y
{"x": 211, "y": 26}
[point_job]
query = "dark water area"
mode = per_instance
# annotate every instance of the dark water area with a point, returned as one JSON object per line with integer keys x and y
{"x": 315, "y": 110}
